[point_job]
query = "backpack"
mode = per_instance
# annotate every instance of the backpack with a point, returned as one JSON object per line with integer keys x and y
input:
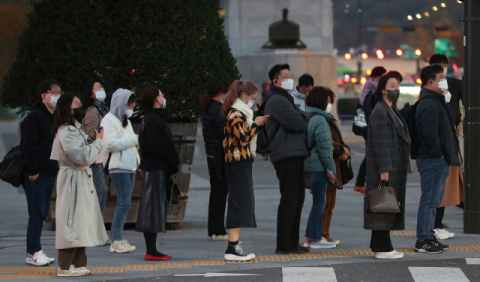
{"x": 369, "y": 104}
{"x": 359, "y": 126}
{"x": 411, "y": 124}
{"x": 263, "y": 142}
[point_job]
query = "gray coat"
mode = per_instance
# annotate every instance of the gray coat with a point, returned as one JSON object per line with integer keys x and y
{"x": 388, "y": 150}
{"x": 285, "y": 127}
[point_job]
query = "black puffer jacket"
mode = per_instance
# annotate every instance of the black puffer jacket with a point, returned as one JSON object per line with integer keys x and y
{"x": 213, "y": 124}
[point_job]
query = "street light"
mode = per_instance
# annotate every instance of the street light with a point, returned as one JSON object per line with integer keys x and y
{"x": 399, "y": 52}
{"x": 427, "y": 14}
{"x": 354, "y": 80}
{"x": 348, "y": 56}
{"x": 410, "y": 17}
{"x": 363, "y": 81}
{"x": 435, "y": 8}
{"x": 443, "y": 5}
{"x": 419, "y": 16}
{"x": 418, "y": 52}
{"x": 380, "y": 54}
{"x": 364, "y": 56}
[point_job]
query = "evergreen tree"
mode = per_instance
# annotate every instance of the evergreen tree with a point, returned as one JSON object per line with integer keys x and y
{"x": 179, "y": 46}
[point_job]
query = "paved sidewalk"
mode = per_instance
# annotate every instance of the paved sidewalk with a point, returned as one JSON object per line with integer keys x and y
{"x": 191, "y": 244}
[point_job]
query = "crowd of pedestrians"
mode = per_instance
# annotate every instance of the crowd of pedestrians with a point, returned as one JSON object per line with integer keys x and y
{"x": 63, "y": 138}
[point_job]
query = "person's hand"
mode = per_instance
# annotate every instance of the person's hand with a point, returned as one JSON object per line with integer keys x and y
{"x": 333, "y": 178}
{"x": 346, "y": 151}
{"x": 345, "y": 154}
{"x": 97, "y": 134}
{"x": 260, "y": 121}
{"x": 384, "y": 176}
{"x": 176, "y": 173}
{"x": 33, "y": 177}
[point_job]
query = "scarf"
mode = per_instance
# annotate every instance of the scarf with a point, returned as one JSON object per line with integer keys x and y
{"x": 248, "y": 113}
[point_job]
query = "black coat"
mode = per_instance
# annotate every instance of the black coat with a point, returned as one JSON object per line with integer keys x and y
{"x": 157, "y": 150}
{"x": 436, "y": 132}
{"x": 455, "y": 88}
{"x": 36, "y": 143}
{"x": 388, "y": 150}
{"x": 213, "y": 123}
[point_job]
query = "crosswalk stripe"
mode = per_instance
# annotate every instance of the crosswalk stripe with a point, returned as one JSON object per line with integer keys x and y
{"x": 306, "y": 274}
{"x": 444, "y": 274}
{"x": 473, "y": 260}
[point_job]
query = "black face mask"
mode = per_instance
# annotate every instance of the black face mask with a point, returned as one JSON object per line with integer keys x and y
{"x": 393, "y": 95}
{"x": 79, "y": 114}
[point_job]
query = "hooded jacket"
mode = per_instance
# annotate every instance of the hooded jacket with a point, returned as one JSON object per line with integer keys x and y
{"x": 119, "y": 141}
{"x": 299, "y": 99}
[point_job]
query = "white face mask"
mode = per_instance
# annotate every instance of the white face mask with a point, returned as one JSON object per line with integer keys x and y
{"x": 443, "y": 84}
{"x": 448, "y": 97}
{"x": 329, "y": 108}
{"x": 164, "y": 103}
{"x": 100, "y": 95}
{"x": 129, "y": 113}
{"x": 53, "y": 100}
{"x": 250, "y": 103}
{"x": 287, "y": 84}
{"x": 222, "y": 101}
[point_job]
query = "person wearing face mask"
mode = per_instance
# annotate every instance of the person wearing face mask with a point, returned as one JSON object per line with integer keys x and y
{"x": 388, "y": 158}
{"x": 434, "y": 124}
{"x": 95, "y": 110}
{"x": 240, "y": 143}
{"x": 78, "y": 220}
{"x": 285, "y": 130}
{"x": 38, "y": 179}
{"x": 120, "y": 157}
{"x": 212, "y": 125}
{"x": 320, "y": 166}
{"x": 159, "y": 162}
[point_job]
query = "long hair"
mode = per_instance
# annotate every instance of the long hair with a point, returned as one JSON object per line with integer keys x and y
{"x": 219, "y": 87}
{"x": 238, "y": 87}
{"x": 63, "y": 113}
{"x": 148, "y": 96}
{"x": 382, "y": 84}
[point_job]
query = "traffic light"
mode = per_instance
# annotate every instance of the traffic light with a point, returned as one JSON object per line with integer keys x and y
{"x": 348, "y": 56}
{"x": 418, "y": 52}
{"x": 364, "y": 56}
{"x": 399, "y": 52}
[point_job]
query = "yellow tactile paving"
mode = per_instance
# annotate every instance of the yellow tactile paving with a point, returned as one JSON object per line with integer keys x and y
{"x": 7, "y": 276}
{"x": 362, "y": 252}
{"x": 43, "y": 272}
{"x": 406, "y": 251}
{"x": 141, "y": 267}
{"x": 403, "y": 233}
{"x": 474, "y": 246}
{"x": 273, "y": 258}
{"x": 336, "y": 254}
{"x": 108, "y": 269}
{"x": 208, "y": 262}
{"x": 174, "y": 264}
{"x": 305, "y": 256}
{"x": 255, "y": 260}
{"x": 9, "y": 270}
{"x": 460, "y": 248}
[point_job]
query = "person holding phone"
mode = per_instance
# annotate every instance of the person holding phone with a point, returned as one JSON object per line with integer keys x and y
{"x": 320, "y": 167}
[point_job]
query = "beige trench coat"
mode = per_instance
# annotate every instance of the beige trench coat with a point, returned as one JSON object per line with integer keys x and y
{"x": 79, "y": 222}
{"x": 454, "y": 188}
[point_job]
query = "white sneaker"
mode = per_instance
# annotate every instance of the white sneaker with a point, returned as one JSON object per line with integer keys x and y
{"x": 442, "y": 234}
{"x": 220, "y": 237}
{"x": 389, "y": 255}
{"x": 322, "y": 244}
{"x": 119, "y": 247}
{"x": 37, "y": 259}
{"x": 73, "y": 272}
{"x": 50, "y": 260}
{"x": 450, "y": 234}
{"x": 132, "y": 248}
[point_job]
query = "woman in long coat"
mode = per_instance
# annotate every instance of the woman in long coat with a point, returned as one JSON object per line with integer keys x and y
{"x": 388, "y": 158}
{"x": 79, "y": 222}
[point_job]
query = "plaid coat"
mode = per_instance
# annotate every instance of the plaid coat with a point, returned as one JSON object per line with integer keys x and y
{"x": 388, "y": 149}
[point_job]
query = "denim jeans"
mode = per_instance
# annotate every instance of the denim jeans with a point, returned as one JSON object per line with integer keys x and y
{"x": 102, "y": 200}
{"x": 433, "y": 174}
{"x": 39, "y": 195}
{"x": 123, "y": 183}
{"x": 318, "y": 184}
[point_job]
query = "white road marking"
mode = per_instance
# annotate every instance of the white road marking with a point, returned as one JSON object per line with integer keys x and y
{"x": 444, "y": 274}
{"x": 217, "y": 274}
{"x": 473, "y": 260}
{"x": 306, "y": 274}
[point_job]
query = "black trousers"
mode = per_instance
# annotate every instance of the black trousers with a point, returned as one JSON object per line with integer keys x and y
{"x": 291, "y": 175}
{"x": 439, "y": 218}
{"x": 217, "y": 202}
{"x": 380, "y": 241}
{"x": 362, "y": 171}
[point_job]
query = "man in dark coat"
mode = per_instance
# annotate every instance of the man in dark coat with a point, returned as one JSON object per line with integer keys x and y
{"x": 436, "y": 134}
{"x": 285, "y": 128}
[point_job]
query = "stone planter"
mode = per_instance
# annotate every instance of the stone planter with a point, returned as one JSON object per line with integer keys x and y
{"x": 184, "y": 137}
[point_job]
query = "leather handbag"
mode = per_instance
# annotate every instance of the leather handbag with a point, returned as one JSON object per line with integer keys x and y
{"x": 383, "y": 200}
{"x": 174, "y": 192}
{"x": 346, "y": 170}
{"x": 99, "y": 179}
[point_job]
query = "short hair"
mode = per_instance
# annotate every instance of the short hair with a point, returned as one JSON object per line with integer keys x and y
{"x": 318, "y": 97}
{"x": 275, "y": 71}
{"x": 430, "y": 72}
{"x": 378, "y": 71}
{"x": 46, "y": 86}
{"x": 438, "y": 59}
{"x": 305, "y": 80}
{"x": 395, "y": 74}
{"x": 382, "y": 84}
